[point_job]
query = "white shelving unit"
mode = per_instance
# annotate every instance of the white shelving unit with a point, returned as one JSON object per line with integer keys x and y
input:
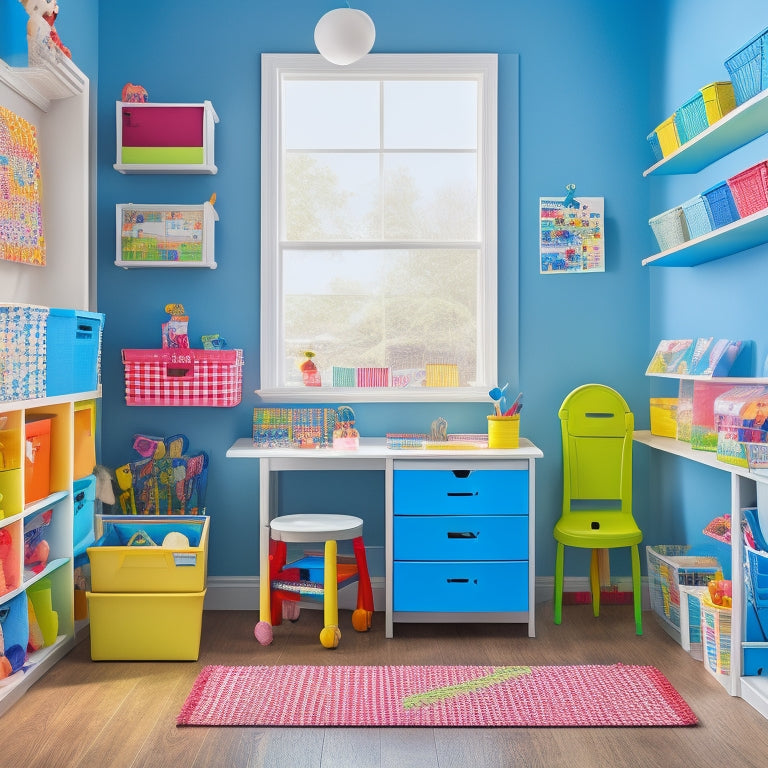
{"x": 55, "y": 99}
{"x": 744, "y": 483}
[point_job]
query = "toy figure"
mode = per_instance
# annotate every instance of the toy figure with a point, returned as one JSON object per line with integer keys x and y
{"x": 135, "y": 94}
{"x": 43, "y": 42}
{"x": 50, "y": 16}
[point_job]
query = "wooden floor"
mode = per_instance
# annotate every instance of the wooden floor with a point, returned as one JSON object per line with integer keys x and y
{"x": 86, "y": 714}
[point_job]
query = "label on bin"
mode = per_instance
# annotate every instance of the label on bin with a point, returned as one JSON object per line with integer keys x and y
{"x": 185, "y": 558}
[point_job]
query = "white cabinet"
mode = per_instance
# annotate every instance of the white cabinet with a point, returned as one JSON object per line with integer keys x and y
{"x": 740, "y": 126}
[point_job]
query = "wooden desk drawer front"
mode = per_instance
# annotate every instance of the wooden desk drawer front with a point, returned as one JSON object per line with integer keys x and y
{"x": 462, "y": 587}
{"x": 469, "y": 537}
{"x": 460, "y": 492}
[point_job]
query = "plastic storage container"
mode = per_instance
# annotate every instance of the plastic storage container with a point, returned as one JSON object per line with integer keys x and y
{"x": 670, "y": 228}
{"x": 696, "y": 216}
{"x": 750, "y": 189}
{"x": 22, "y": 353}
{"x": 668, "y": 137}
{"x": 664, "y": 416}
{"x": 691, "y": 118}
{"x": 669, "y": 566}
{"x": 145, "y": 626}
{"x": 721, "y": 208}
{"x": 117, "y": 566}
{"x": 719, "y": 100}
{"x": 73, "y": 350}
{"x": 716, "y": 636}
{"x": 37, "y": 457}
{"x": 748, "y": 68}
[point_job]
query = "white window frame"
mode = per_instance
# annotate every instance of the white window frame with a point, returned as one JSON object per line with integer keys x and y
{"x": 485, "y": 66}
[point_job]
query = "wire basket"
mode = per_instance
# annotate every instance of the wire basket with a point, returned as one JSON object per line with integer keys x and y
{"x": 669, "y": 566}
{"x": 670, "y": 228}
{"x": 691, "y": 118}
{"x": 750, "y": 189}
{"x": 719, "y": 100}
{"x": 696, "y": 216}
{"x": 716, "y": 636}
{"x": 748, "y": 68}
{"x": 721, "y": 208}
{"x": 668, "y": 137}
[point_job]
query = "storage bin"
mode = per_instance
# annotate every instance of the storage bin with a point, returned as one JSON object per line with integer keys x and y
{"x": 22, "y": 351}
{"x": 690, "y": 620}
{"x": 84, "y": 439}
{"x": 162, "y": 133}
{"x": 720, "y": 205}
{"x": 748, "y": 68}
{"x": 37, "y": 457}
{"x": 73, "y": 351}
{"x": 14, "y": 620}
{"x": 669, "y": 140}
{"x": 10, "y": 563}
{"x": 719, "y": 100}
{"x": 691, "y": 118}
{"x": 84, "y": 499}
{"x": 664, "y": 416}
{"x": 145, "y": 626}
{"x": 199, "y": 377}
{"x": 696, "y": 216}
{"x": 750, "y": 189}
{"x": 669, "y": 567}
{"x": 670, "y": 228}
{"x": 716, "y": 636}
{"x": 755, "y": 660}
{"x": 117, "y": 566}
{"x": 653, "y": 140}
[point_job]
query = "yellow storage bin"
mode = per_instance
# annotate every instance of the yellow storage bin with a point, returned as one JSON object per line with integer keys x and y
{"x": 719, "y": 100}
{"x": 129, "y": 556}
{"x": 145, "y": 627}
{"x": 667, "y": 135}
{"x": 664, "y": 416}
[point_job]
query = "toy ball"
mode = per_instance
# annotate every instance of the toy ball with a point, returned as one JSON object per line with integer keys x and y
{"x": 176, "y": 540}
{"x": 263, "y": 632}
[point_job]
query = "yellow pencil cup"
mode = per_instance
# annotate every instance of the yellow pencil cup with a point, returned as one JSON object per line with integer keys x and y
{"x": 504, "y": 431}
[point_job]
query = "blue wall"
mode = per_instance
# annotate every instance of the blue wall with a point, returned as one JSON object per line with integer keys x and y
{"x": 591, "y": 79}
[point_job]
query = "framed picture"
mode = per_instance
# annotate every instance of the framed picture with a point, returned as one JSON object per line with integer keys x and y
{"x": 572, "y": 235}
{"x": 165, "y": 235}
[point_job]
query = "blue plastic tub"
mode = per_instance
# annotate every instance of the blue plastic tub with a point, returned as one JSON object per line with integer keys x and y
{"x": 73, "y": 344}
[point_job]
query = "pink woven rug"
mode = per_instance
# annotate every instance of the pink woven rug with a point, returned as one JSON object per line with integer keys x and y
{"x": 434, "y": 696}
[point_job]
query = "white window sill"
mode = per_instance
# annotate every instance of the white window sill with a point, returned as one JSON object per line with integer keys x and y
{"x": 374, "y": 395}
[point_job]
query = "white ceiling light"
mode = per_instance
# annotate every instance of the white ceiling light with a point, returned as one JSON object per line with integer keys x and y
{"x": 344, "y": 35}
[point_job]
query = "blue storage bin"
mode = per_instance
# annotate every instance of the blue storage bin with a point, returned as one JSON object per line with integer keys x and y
{"x": 84, "y": 496}
{"x": 755, "y": 661}
{"x": 14, "y": 619}
{"x": 697, "y": 216}
{"x": 748, "y": 68}
{"x": 653, "y": 140}
{"x": 691, "y": 118}
{"x": 720, "y": 204}
{"x": 73, "y": 348}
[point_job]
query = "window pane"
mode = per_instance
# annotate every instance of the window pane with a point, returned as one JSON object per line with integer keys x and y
{"x": 430, "y": 197}
{"x": 430, "y": 114}
{"x": 331, "y": 115}
{"x": 331, "y": 196}
{"x": 397, "y": 309}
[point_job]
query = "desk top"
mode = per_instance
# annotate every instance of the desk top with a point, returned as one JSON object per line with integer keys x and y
{"x": 376, "y": 448}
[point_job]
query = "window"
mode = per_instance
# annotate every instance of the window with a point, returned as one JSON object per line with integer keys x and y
{"x": 378, "y": 252}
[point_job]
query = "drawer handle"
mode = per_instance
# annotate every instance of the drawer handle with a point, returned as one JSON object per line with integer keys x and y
{"x": 461, "y": 581}
{"x": 461, "y": 473}
{"x": 459, "y": 493}
{"x": 462, "y": 535}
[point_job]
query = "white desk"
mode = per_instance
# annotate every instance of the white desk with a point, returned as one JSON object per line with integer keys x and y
{"x": 373, "y": 454}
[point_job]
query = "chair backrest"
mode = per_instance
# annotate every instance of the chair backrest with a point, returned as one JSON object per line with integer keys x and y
{"x": 597, "y": 427}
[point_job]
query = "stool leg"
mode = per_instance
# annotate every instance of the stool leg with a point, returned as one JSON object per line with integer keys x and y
{"x": 263, "y": 630}
{"x": 363, "y": 614}
{"x": 330, "y": 635}
{"x": 559, "y": 567}
{"x": 594, "y": 580}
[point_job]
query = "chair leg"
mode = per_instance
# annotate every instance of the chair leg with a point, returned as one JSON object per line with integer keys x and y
{"x": 594, "y": 582}
{"x": 559, "y": 558}
{"x": 330, "y": 635}
{"x": 637, "y": 590}
{"x": 363, "y": 614}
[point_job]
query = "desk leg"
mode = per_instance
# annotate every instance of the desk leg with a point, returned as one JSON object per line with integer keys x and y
{"x": 531, "y": 548}
{"x": 263, "y": 630}
{"x": 388, "y": 545}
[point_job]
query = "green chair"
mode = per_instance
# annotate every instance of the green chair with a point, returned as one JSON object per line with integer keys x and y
{"x": 597, "y": 426}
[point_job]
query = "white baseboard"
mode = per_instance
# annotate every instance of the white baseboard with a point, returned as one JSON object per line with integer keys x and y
{"x": 241, "y": 593}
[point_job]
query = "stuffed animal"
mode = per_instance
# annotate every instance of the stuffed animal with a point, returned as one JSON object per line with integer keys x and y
{"x": 136, "y": 94}
{"x": 50, "y": 16}
{"x": 43, "y": 44}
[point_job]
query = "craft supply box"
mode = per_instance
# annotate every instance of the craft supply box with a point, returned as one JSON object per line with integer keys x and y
{"x": 118, "y": 567}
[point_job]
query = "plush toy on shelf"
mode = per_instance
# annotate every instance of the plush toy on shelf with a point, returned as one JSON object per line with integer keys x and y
{"x": 43, "y": 42}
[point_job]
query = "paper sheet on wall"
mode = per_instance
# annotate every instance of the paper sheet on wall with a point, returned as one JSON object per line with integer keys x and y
{"x": 571, "y": 236}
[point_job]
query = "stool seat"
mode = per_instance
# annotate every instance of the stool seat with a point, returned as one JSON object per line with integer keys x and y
{"x": 308, "y": 528}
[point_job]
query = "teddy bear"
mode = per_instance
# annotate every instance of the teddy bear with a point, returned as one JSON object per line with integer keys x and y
{"x": 43, "y": 43}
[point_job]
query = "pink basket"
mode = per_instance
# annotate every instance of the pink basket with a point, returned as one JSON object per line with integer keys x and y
{"x": 183, "y": 377}
{"x": 750, "y": 189}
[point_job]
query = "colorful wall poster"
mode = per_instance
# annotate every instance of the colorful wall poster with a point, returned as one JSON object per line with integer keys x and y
{"x": 571, "y": 234}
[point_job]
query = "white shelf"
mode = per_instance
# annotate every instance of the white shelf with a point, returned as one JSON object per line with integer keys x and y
{"x": 734, "y": 237}
{"x": 178, "y": 168}
{"x": 42, "y": 84}
{"x": 740, "y": 126}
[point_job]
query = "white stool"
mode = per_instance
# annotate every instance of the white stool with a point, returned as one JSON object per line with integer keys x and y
{"x": 283, "y": 582}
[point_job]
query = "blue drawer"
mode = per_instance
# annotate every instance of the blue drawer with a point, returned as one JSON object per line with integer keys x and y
{"x": 468, "y": 537}
{"x": 461, "y": 492}
{"x": 755, "y": 660}
{"x": 453, "y": 587}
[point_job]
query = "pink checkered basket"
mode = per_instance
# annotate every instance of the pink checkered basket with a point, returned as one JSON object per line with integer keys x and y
{"x": 183, "y": 377}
